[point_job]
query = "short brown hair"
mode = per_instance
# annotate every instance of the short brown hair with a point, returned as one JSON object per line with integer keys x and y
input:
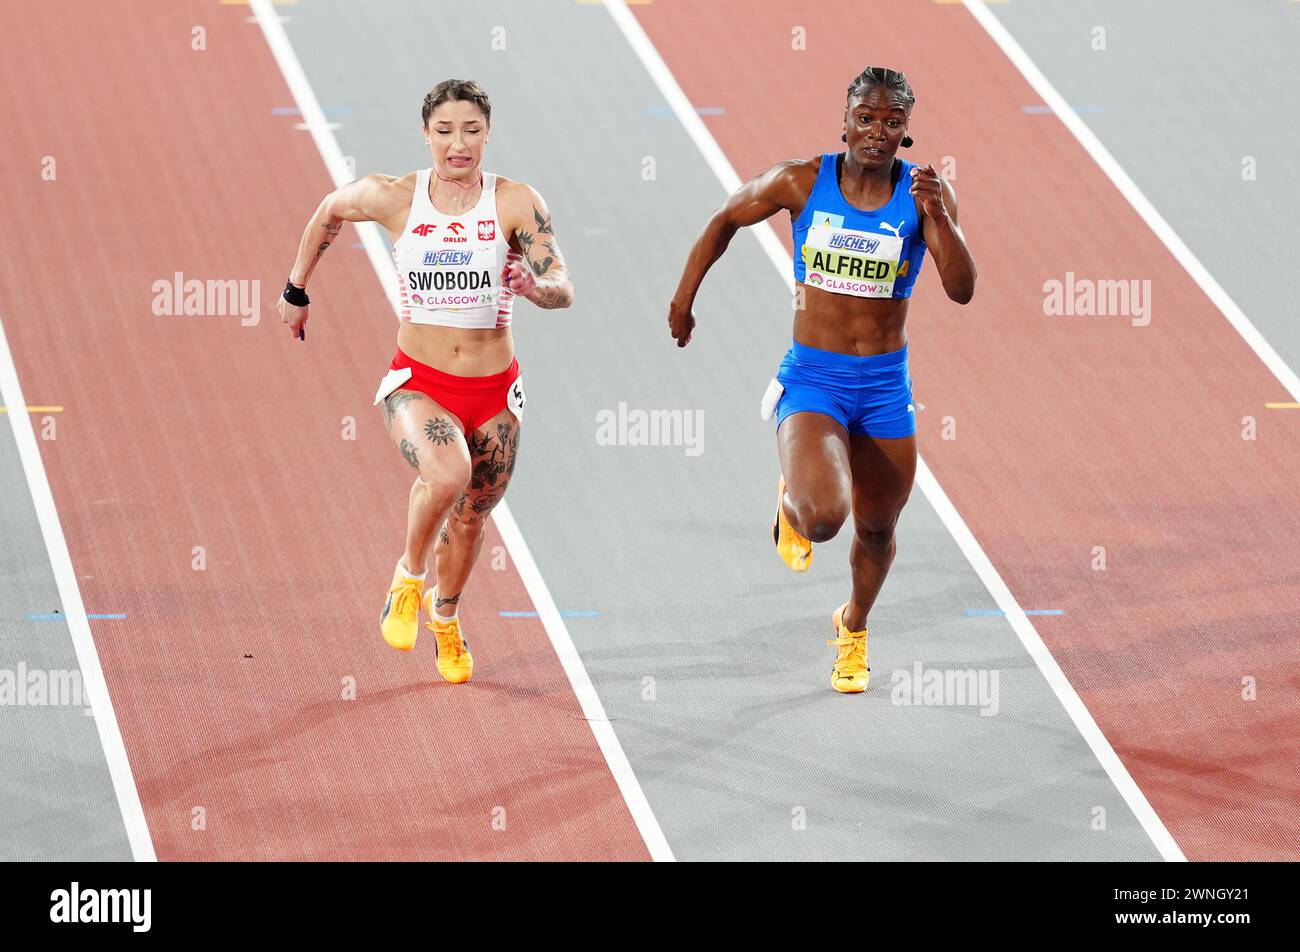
{"x": 456, "y": 89}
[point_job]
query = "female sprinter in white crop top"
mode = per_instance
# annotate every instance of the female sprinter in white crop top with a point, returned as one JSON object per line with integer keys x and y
{"x": 466, "y": 243}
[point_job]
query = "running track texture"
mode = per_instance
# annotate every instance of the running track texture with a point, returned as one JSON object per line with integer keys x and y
{"x": 233, "y": 683}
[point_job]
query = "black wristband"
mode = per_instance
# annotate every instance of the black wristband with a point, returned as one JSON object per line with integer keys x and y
{"x": 295, "y": 295}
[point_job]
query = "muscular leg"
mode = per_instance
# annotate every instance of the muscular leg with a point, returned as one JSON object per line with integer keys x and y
{"x": 883, "y": 471}
{"x": 431, "y": 442}
{"x": 814, "y": 451}
{"x": 493, "y": 449}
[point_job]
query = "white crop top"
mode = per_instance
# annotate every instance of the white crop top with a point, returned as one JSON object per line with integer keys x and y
{"x": 449, "y": 266}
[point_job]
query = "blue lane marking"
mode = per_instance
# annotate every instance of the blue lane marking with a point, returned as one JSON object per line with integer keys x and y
{"x": 563, "y": 614}
{"x": 1038, "y": 110}
{"x": 328, "y": 110}
{"x": 56, "y": 616}
{"x": 699, "y": 110}
{"x": 999, "y": 613}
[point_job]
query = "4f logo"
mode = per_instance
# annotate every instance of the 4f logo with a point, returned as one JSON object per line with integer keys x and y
{"x": 487, "y": 230}
{"x": 422, "y": 230}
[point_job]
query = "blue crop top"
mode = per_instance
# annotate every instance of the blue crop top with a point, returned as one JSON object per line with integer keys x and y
{"x": 844, "y": 250}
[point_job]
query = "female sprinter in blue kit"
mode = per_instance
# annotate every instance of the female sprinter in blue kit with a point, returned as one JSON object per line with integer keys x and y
{"x": 846, "y": 425}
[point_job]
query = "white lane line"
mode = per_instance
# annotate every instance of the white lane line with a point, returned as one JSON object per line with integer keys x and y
{"x": 92, "y": 674}
{"x": 339, "y": 169}
{"x": 1020, "y": 623}
{"x": 1141, "y": 204}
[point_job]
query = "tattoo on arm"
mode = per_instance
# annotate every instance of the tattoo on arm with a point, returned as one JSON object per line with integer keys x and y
{"x": 552, "y": 290}
{"x": 539, "y": 267}
{"x": 444, "y": 537}
{"x": 548, "y": 295}
{"x": 331, "y": 232}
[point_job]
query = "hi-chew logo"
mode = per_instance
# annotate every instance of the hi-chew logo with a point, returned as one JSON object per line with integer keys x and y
{"x": 76, "y": 905}
{"x": 446, "y": 256}
{"x": 867, "y": 246}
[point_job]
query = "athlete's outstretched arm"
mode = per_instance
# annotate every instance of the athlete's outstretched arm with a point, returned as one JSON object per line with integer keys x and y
{"x": 366, "y": 199}
{"x": 758, "y": 199}
{"x": 545, "y": 279}
{"x": 942, "y": 235}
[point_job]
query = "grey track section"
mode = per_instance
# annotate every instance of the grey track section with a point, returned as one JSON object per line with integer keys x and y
{"x": 1184, "y": 92}
{"x": 708, "y": 654}
{"x": 56, "y": 795}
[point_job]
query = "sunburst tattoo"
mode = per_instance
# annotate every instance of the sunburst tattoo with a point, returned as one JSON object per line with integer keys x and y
{"x": 440, "y": 431}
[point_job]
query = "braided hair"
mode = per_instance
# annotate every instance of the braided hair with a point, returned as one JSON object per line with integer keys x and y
{"x": 892, "y": 81}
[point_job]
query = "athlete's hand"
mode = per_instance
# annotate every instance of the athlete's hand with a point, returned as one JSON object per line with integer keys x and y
{"x": 681, "y": 322}
{"x": 928, "y": 188}
{"x": 294, "y": 316}
{"x": 518, "y": 276}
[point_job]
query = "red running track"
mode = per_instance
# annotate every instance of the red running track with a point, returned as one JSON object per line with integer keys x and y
{"x": 196, "y": 431}
{"x": 1072, "y": 432}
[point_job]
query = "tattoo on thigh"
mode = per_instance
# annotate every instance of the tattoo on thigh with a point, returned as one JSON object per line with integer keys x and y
{"x": 493, "y": 458}
{"x": 394, "y": 402}
{"x": 457, "y": 509}
{"x": 483, "y": 504}
{"x": 408, "y": 450}
{"x": 440, "y": 431}
{"x": 513, "y": 452}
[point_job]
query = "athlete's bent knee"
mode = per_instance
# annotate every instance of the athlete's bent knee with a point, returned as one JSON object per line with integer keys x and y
{"x": 821, "y": 522}
{"x": 876, "y": 532}
{"x": 444, "y": 482}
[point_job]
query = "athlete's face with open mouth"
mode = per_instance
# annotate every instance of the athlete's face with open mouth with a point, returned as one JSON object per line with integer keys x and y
{"x": 875, "y": 123}
{"x": 457, "y": 134}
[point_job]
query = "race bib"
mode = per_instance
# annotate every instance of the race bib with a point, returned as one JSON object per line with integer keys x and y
{"x": 846, "y": 261}
{"x": 454, "y": 278}
{"x": 392, "y": 380}
{"x": 515, "y": 398}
